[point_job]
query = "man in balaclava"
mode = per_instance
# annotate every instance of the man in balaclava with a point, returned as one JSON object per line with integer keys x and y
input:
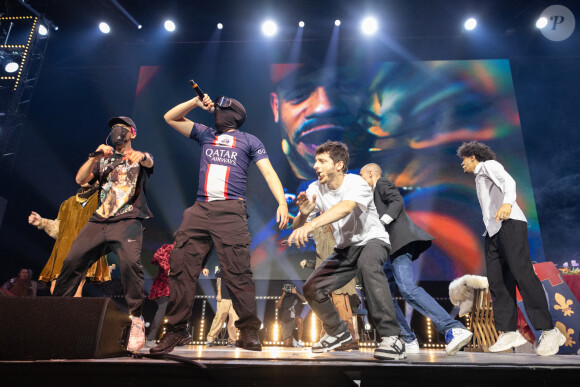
{"x": 116, "y": 225}
{"x": 218, "y": 218}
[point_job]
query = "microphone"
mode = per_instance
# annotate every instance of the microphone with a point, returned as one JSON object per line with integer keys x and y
{"x": 199, "y": 92}
{"x": 97, "y": 153}
{"x": 196, "y": 88}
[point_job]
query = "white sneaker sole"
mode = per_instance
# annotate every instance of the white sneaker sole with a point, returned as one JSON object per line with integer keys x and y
{"x": 382, "y": 355}
{"x": 520, "y": 341}
{"x": 334, "y": 346}
{"x": 452, "y": 350}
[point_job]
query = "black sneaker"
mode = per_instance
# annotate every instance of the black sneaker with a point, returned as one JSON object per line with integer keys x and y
{"x": 328, "y": 342}
{"x": 169, "y": 341}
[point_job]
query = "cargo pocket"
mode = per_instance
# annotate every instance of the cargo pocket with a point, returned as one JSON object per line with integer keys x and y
{"x": 177, "y": 255}
{"x": 238, "y": 256}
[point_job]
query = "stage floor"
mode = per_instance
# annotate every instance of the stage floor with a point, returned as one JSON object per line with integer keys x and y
{"x": 278, "y": 366}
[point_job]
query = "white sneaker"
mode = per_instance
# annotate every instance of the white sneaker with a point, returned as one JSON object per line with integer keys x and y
{"x": 328, "y": 343}
{"x": 456, "y": 338}
{"x": 391, "y": 348}
{"x": 550, "y": 342}
{"x": 412, "y": 347}
{"x": 508, "y": 340}
{"x": 137, "y": 335}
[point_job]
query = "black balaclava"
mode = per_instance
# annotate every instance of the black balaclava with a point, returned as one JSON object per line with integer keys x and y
{"x": 119, "y": 135}
{"x": 231, "y": 117}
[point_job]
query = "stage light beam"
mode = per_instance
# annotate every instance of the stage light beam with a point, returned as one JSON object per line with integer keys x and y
{"x": 541, "y": 22}
{"x": 269, "y": 28}
{"x": 104, "y": 27}
{"x": 470, "y": 24}
{"x": 169, "y": 25}
{"x": 369, "y": 25}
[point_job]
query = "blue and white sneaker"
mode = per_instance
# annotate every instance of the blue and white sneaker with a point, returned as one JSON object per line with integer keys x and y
{"x": 456, "y": 339}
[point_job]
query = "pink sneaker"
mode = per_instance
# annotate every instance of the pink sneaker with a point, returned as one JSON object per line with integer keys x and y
{"x": 137, "y": 335}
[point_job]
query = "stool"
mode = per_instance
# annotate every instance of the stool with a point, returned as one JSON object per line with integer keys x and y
{"x": 482, "y": 324}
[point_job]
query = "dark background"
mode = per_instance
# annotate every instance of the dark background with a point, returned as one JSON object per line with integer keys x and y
{"x": 88, "y": 77}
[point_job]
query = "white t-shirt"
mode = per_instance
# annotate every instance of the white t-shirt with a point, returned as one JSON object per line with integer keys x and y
{"x": 362, "y": 224}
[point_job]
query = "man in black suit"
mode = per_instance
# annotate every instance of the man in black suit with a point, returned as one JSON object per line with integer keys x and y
{"x": 408, "y": 241}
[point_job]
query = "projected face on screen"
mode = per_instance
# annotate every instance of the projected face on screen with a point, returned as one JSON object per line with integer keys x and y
{"x": 312, "y": 106}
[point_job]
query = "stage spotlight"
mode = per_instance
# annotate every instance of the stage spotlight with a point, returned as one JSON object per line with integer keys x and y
{"x": 337, "y": 22}
{"x": 139, "y": 26}
{"x": 541, "y": 22}
{"x": 169, "y": 25}
{"x": 220, "y": 26}
{"x": 104, "y": 27}
{"x": 301, "y": 24}
{"x": 269, "y": 28}
{"x": 369, "y": 25}
{"x": 11, "y": 67}
{"x": 470, "y": 24}
{"x": 42, "y": 30}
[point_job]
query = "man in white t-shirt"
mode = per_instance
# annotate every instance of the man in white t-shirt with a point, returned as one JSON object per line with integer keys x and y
{"x": 362, "y": 245}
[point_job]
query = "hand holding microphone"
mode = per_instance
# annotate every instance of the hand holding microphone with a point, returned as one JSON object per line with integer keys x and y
{"x": 204, "y": 98}
{"x": 102, "y": 151}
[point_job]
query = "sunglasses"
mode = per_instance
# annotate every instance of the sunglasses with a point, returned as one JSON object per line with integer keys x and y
{"x": 223, "y": 102}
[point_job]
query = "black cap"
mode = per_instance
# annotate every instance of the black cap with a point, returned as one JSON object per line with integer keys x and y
{"x": 121, "y": 120}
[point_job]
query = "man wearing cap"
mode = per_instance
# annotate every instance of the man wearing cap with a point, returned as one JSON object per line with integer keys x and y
{"x": 116, "y": 224}
{"x": 218, "y": 218}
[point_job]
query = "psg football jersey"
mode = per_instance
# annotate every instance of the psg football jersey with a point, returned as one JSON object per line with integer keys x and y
{"x": 225, "y": 158}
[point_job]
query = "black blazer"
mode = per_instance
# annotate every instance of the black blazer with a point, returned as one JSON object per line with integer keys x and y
{"x": 405, "y": 235}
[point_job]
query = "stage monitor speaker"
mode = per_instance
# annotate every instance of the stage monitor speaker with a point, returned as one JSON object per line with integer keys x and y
{"x": 40, "y": 328}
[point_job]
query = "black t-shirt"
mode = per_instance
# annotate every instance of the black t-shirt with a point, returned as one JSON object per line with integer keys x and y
{"x": 225, "y": 293}
{"x": 291, "y": 307}
{"x": 123, "y": 189}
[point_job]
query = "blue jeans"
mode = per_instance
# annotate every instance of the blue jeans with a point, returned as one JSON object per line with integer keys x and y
{"x": 399, "y": 272}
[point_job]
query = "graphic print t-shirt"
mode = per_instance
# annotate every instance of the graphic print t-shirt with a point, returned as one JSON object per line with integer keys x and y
{"x": 225, "y": 158}
{"x": 123, "y": 190}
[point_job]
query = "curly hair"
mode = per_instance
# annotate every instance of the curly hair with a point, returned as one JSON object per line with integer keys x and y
{"x": 475, "y": 148}
{"x": 337, "y": 152}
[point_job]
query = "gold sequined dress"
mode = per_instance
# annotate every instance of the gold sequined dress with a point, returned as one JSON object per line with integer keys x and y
{"x": 72, "y": 217}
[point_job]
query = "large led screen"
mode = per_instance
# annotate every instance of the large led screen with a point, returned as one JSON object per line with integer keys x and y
{"x": 408, "y": 117}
